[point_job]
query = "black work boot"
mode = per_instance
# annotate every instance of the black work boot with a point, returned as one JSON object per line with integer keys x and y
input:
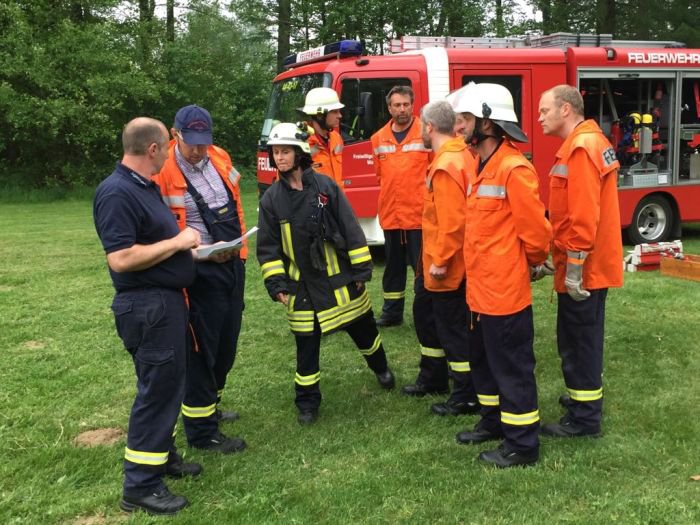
{"x": 221, "y": 443}
{"x": 418, "y": 389}
{"x": 503, "y": 458}
{"x": 159, "y": 503}
{"x": 386, "y": 379}
{"x": 177, "y": 468}
{"x": 308, "y": 416}
{"x": 451, "y": 408}
{"x": 478, "y": 435}
{"x": 386, "y": 322}
{"x": 568, "y": 428}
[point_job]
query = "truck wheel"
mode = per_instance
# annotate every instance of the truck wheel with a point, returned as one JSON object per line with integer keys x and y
{"x": 652, "y": 220}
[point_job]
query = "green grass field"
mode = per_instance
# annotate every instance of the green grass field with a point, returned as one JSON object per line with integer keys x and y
{"x": 373, "y": 457}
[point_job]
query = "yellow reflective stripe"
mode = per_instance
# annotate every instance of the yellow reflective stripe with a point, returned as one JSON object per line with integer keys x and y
{"x": 272, "y": 268}
{"x": 175, "y": 430}
{"x": 198, "y": 411}
{"x": 359, "y": 255}
{"x": 294, "y": 272}
{"x": 287, "y": 246}
{"x": 375, "y": 346}
{"x": 299, "y": 321}
{"x": 304, "y": 315}
{"x": 520, "y": 419}
{"x": 145, "y": 458}
{"x": 332, "y": 266}
{"x": 432, "y": 352}
{"x": 488, "y": 400}
{"x": 342, "y": 296}
{"x": 334, "y": 317}
{"x": 395, "y": 295}
{"x": 462, "y": 366}
{"x": 585, "y": 395}
{"x": 307, "y": 380}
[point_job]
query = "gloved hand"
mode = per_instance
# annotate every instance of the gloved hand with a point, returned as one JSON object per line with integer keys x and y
{"x": 539, "y": 271}
{"x": 574, "y": 276}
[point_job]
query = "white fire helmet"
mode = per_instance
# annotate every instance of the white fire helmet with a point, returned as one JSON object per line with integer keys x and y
{"x": 492, "y": 101}
{"x": 288, "y": 134}
{"x": 320, "y": 101}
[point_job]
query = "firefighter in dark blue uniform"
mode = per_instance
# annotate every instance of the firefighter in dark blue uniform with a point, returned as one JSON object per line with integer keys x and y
{"x": 315, "y": 260}
{"x": 150, "y": 262}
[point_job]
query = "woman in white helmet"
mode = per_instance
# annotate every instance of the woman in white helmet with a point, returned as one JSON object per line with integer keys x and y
{"x": 315, "y": 260}
{"x": 323, "y": 106}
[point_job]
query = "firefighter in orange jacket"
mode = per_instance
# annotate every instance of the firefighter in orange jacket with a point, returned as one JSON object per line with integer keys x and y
{"x": 506, "y": 234}
{"x": 323, "y": 106}
{"x": 401, "y": 162}
{"x": 587, "y": 250}
{"x": 439, "y": 310}
{"x": 200, "y": 185}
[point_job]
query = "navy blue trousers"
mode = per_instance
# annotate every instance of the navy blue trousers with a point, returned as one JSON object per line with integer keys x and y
{"x": 503, "y": 371}
{"x": 216, "y": 310}
{"x": 401, "y": 247}
{"x": 307, "y": 383}
{"x": 441, "y": 327}
{"x": 580, "y": 339}
{"x": 152, "y": 324}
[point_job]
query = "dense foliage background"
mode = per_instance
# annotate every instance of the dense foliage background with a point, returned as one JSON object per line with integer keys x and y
{"x": 72, "y": 73}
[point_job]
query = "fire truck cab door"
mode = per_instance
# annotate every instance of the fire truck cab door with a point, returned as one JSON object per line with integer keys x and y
{"x": 365, "y": 112}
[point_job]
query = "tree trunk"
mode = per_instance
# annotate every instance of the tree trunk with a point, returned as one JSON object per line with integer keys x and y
{"x": 170, "y": 21}
{"x": 284, "y": 22}
{"x": 146, "y": 10}
{"x": 606, "y": 17}
{"x": 500, "y": 28}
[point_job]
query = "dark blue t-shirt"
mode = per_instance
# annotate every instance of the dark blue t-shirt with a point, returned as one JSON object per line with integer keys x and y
{"x": 128, "y": 210}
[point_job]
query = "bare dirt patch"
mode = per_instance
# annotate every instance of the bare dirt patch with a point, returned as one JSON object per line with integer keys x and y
{"x": 99, "y": 437}
{"x": 97, "y": 520}
{"x": 34, "y": 345}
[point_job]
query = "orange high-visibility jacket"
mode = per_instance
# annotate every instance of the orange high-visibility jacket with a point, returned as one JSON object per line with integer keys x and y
{"x": 401, "y": 170}
{"x": 328, "y": 157}
{"x": 173, "y": 186}
{"x": 444, "y": 213}
{"x": 506, "y": 232}
{"x": 584, "y": 209}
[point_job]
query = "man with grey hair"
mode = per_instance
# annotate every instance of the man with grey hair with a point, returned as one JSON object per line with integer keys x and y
{"x": 439, "y": 309}
{"x": 150, "y": 262}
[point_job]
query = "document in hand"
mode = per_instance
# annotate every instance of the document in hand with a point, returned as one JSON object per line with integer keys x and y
{"x": 213, "y": 249}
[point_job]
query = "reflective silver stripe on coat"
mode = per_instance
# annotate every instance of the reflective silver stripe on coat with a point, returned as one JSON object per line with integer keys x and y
{"x": 469, "y": 189}
{"x": 174, "y": 202}
{"x": 234, "y": 176}
{"x": 384, "y": 149}
{"x": 559, "y": 170}
{"x": 414, "y": 147}
{"x": 314, "y": 150}
{"x": 338, "y": 149}
{"x": 495, "y": 192}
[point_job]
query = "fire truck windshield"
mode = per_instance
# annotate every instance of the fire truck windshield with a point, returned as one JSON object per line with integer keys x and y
{"x": 287, "y": 96}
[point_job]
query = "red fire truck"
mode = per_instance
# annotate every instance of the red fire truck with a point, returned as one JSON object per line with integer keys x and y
{"x": 644, "y": 95}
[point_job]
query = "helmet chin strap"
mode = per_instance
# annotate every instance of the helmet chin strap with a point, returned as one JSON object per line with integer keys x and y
{"x": 479, "y": 136}
{"x": 321, "y": 121}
